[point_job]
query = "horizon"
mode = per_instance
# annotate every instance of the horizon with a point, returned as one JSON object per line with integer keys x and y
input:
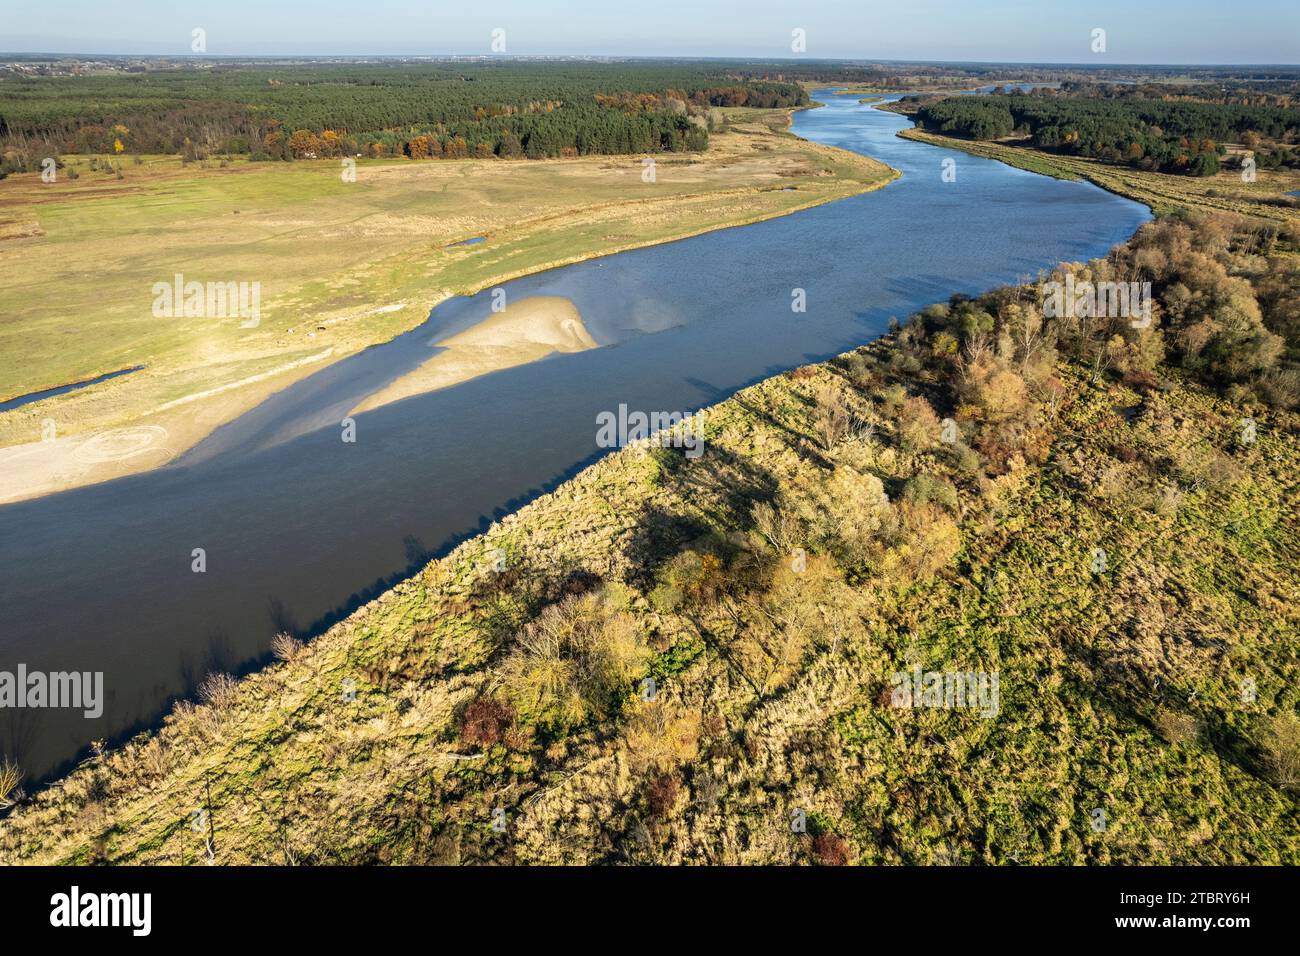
{"x": 853, "y": 61}
{"x": 1156, "y": 33}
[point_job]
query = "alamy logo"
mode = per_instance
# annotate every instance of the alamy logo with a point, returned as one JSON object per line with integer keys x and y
{"x": 1114, "y": 300}
{"x": 951, "y": 690}
{"x": 103, "y": 909}
{"x": 38, "y": 689}
{"x": 210, "y": 300}
{"x": 664, "y": 429}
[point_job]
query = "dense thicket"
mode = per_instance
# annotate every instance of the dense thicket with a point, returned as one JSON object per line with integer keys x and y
{"x": 1151, "y": 134}
{"x": 1224, "y": 295}
{"x": 508, "y": 108}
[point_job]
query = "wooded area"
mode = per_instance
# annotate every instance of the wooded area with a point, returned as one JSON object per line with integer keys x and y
{"x": 1159, "y": 135}
{"x": 392, "y": 109}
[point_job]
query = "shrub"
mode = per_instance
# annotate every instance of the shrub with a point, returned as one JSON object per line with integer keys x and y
{"x": 219, "y": 691}
{"x": 155, "y": 757}
{"x": 777, "y": 526}
{"x": 661, "y": 735}
{"x": 892, "y": 398}
{"x": 854, "y": 512}
{"x": 10, "y": 777}
{"x": 1125, "y": 453}
{"x": 1281, "y": 388}
{"x": 943, "y": 346}
{"x": 965, "y": 459}
{"x": 925, "y": 489}
{"x": 1202, "y": 465}
{"x": 917, "y": 425}
{"x": 1140, "y": 380}
{"x": 861, "y": 370}
{"x": 485, "y": 721}
{"x": 662, "y": 793}
{"x": 830, "y": 849}
{"x": 575, "y": 660}
{"x": 808, "y": 603}
{"x": 1281, "y": 747}
{"x": 831, "y": 419}
{"x": 285, "y": 647}
{"x": 1000, "y": 446}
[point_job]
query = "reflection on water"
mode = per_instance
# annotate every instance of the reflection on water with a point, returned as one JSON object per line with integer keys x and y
{"x": 297, "y": 525}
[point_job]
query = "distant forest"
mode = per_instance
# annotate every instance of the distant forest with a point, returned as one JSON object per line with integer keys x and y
{"x": 1166, "y": 136}
{"x": 424, "y": 111}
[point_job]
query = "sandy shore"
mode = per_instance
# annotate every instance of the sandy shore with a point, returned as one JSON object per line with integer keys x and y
{"x": 522, "y": 332}
{"x": 60, "y": 462}
{"x": 525, "y": 331}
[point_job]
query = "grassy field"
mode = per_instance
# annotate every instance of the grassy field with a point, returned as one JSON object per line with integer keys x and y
{"x": 1224, "y": 192}
{"x": 341, "y": 265}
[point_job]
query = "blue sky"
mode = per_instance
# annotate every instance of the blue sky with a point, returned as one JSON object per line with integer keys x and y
{"x": 1140, "y": 31}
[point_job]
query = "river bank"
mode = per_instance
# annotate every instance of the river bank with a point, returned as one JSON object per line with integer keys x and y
{"x": 294, "y": 229}
{"x": 391, "y": 737}
{"x": 1263, "y": 197}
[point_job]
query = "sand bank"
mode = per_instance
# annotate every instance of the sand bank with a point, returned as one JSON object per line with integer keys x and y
{"x": 522, "y": 332}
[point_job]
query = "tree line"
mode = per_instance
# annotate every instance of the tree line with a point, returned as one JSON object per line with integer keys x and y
{"x": 1158, "y": 135}
{"x": 447, "y": 110}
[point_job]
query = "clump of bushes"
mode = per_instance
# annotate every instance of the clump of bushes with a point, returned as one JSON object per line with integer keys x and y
{"x": 992, "y": 390}
{"x": 694, "y": 575}
{"x": 926, "y": 540}
{"x": 927, "y": 489}
{"x": 917, "y": 425}
{"x": 853, "y": 520}
{"x": 576, "y": 660}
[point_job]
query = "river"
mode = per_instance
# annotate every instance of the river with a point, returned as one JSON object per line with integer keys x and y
{"x": 297, "y": 525}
